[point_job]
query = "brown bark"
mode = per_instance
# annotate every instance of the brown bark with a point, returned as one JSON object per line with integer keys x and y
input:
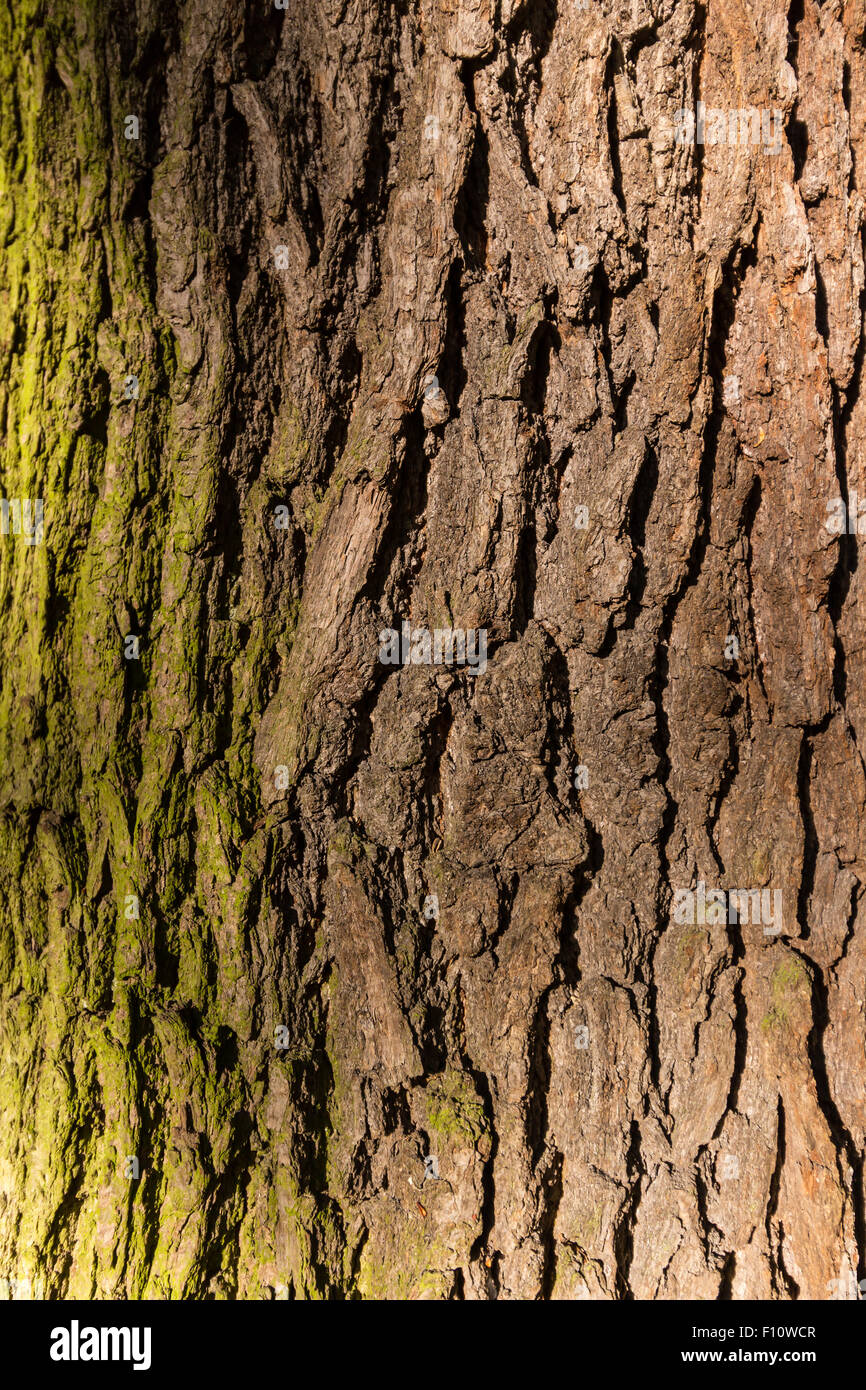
{"x": 389, "y": 913}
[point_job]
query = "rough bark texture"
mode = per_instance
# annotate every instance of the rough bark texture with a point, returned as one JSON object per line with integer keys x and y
{"x": 325, "y": 206}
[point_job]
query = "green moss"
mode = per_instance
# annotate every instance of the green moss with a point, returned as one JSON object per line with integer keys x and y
{"x": 400, "y": 1262}
{"x": 588, "y": 1230}
{"x": 454, "y": 1110}
{"x": 348, "y": 846}
{"x": 790, "y": 983}
{"x": 760, "y": 865}
{"x": 790, "y": 977}
{"x": 291, "y": 448}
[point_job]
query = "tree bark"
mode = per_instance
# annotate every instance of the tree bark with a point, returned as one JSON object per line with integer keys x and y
{"x": 533, "y": 977}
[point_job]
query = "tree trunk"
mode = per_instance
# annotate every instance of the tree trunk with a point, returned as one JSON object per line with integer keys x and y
{"x": 338, "y": 960}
